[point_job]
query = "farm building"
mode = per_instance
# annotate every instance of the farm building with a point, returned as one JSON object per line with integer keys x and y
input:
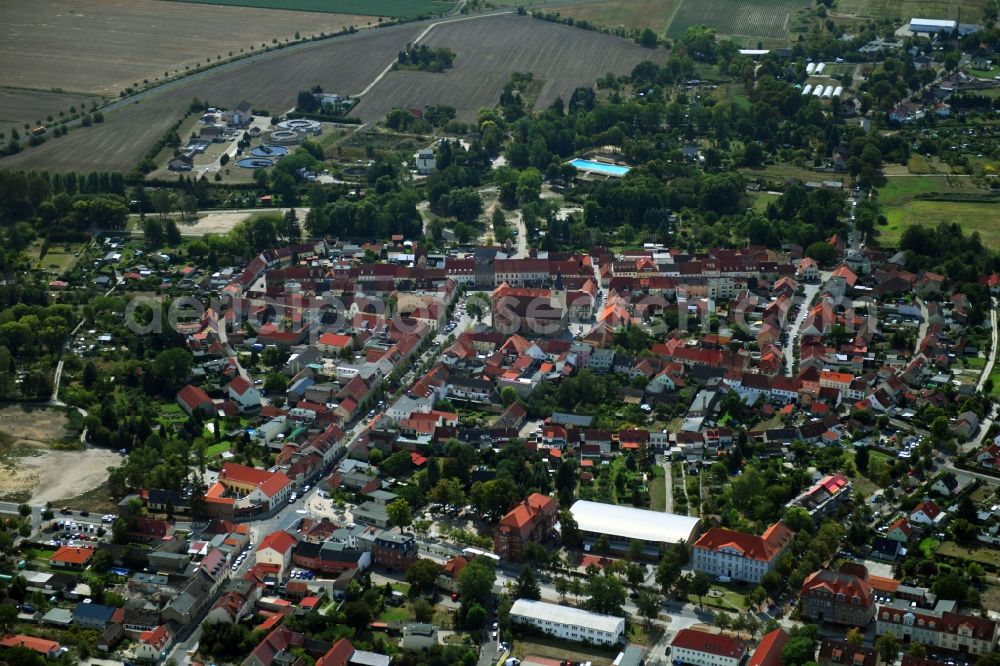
{"x": 931, "y": 26}
{"x": 180, "y": 163}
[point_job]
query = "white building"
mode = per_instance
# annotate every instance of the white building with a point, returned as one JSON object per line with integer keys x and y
{"x": 707, "y": 648}
{"x": 931, "y": 26}
{"x": 723, "y": 553}
{"x": 425, "y": 161}
{"x": 243, "y": 393}
{"x": 623, "y": 524}
{"x": 569, "y": 623}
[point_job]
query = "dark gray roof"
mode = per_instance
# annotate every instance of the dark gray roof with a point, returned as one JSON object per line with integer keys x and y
{"x": 94, "y": 611}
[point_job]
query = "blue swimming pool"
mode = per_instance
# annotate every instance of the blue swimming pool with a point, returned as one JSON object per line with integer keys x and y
{"x": 600, "y": 167}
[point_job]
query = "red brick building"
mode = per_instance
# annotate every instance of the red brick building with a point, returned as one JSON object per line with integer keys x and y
{"x": 531, "y": 520}
{"x": 395, "y": 552}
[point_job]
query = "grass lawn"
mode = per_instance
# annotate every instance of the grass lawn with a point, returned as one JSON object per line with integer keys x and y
{"x": 900, "y": 190}
{"x": 730, "y": 600}
{"x": 981, "y": 217}
{"x": 995, "y": 376}
{"x": 393, "y": 614}
{"x": 974, "y": 362}
{"x": 44, "y": 553}
{"x": 217, "y": 449}
{"x": 928, "y": 545}
{"x": 979, "y": 554}
{"x": 58, "y": 258}
{"x": 657, "y": 490}
{"x": 637, "y": 634}
{"x": 553, "y": 648}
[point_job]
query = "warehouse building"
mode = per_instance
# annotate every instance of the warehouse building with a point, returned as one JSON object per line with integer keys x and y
{"x": 569, "y": 623}
{"x": 623, "y": 524}
{"x": 923, "y": 26}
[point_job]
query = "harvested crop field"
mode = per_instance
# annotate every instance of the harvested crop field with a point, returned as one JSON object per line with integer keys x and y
{"x": 104, "y": 46}
{"x": 395, "y": 8}
{"x": 632, "y": 14}
{"x": 488, "y": 50}
{"x": 271, "y": 81}
{"x": 971, "y": 10}
{"x": 751, "y": 18}
{"x": 19, "y": 107}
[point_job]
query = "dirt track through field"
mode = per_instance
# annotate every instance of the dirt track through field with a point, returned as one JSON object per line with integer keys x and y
{"x": 489, "y": 50}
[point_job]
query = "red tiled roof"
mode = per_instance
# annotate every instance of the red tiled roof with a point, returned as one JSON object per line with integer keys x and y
{"x": 72, "y": 555}
{"x": 280, "y": 541}
{"x": 709, "y": 643}
{"x": 37, "y": 644}
{"x": 339, "y": 654}
{"x": 768, "y": 653}
{"x": 762, "y": 549}
{"x": 192, "y": 396}
{"x": 930, "y": 509}
{"x": 839, "y": 583}
{"x": 239, "y": 385}
{"x": 525, "y": 512}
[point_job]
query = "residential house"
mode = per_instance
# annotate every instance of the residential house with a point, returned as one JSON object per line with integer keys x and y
{"x": 841, "y": 653}
{"x": 276, "y": 548}
{"x": 153, "y": 644}
{"x": 926, "y": 513}
{"x": 419, "y": 636}
{"x": 448, "y": 578}
{"x": 71, "y": 557}
{"x": 193, "y": 399}
{"x": 93, "y": 616}
{"x": 243, "y": 393}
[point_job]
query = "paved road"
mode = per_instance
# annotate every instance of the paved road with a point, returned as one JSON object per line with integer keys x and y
{"x": 810, "y": 291}
{"x": 924, "y": 323}
{"x": 668, "y": 481}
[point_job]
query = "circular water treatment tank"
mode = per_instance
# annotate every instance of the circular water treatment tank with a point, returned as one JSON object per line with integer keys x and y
{"x": 284, "y": 136}
{"x": 269, "y": 151}
{"x": 254, "y": 163}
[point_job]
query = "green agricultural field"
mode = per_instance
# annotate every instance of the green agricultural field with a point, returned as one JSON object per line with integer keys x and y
{"x": 981, "y": 217}
{"x": 750, "y": 18}
{"x": 903, "y": 189}
{"x": 390, "y": 8}
{"x": 971, "y": 10}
